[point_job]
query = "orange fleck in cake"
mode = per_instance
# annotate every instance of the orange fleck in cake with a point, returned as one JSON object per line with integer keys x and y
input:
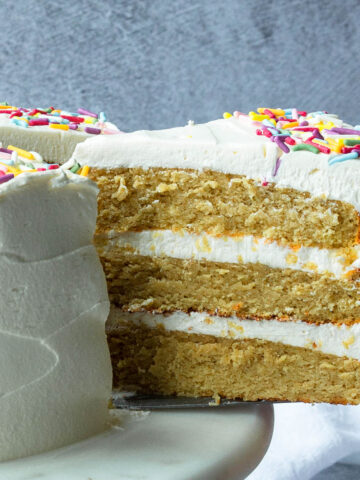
{"x": 231, "y": 255}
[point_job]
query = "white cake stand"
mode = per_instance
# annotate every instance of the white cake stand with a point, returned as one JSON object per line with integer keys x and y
{"x": 215, "y": 443}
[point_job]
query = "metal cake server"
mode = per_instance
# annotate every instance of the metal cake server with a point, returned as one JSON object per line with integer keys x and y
{"x": 135, "y": 401}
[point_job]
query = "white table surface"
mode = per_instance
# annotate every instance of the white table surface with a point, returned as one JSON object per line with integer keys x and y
{"x": 184, "y": 444}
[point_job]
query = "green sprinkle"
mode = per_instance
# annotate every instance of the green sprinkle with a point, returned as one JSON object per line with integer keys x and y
{"x": 75, "y": 168}
{"x": 351, "y": 142}
{"x": 305, "y": 146}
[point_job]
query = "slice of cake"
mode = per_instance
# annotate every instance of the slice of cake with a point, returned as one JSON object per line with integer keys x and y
{"x": 51, "y": 132}
{"x": 55, "y": 366}
{"x": 231, "y": 255}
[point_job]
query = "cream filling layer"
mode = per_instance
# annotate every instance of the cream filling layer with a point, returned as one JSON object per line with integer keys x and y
{"x": 339, "y": 340}
{"x": 242, "y": 249}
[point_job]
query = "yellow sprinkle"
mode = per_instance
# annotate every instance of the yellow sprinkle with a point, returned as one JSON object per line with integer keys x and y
{"x": 7, "y": 107}
{"x": 55, "y": 111}
{"x": 85, "y": 171}
{"x": 275, "y": 111}
{"x": 89, "y": 120}
{"x": 11, "y": 169}
{"x": 227, "y": 115}
{"x": 320, "y": 142}
{"x": 21, "y": 152}
{"x": 59, "y": 126}
{"x": 258, "y": 118}
{"x": 291, "y": 125}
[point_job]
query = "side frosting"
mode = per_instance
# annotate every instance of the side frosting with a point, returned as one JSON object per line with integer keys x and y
{"x": 55, "y": 367}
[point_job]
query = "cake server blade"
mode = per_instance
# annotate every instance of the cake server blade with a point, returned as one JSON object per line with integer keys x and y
{"x": 134, "y": 401}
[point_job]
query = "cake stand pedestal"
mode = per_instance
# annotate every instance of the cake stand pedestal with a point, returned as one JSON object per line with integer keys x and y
{"x": 199, "y": 444}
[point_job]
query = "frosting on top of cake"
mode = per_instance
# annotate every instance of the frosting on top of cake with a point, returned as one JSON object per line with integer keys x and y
{"x": 54, "y": 362}
{"x": 237, "y": 144}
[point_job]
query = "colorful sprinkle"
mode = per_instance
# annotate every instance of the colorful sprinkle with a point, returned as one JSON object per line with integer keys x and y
{"x": 94, "y": 131}
{"x": 6, "y": 177}
{"x": 21, "y": 152}
{"x": 85, "y": 171}
{"x": 52, "y": 118}
{"x": 343, "y": 158}
{"x": 306, "y": 146}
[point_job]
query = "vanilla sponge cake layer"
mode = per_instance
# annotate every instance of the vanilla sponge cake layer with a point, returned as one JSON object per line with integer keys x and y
{"x": 222, "y": 204}
{"x": 165, "y": 284}
{"x": 174, "y": 362}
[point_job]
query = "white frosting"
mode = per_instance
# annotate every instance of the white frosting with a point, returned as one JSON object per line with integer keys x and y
{"x": 54, "y": 145}
{"x": 244, "y": 249}
{"x": 54, "y": 362}
{"x": 328, "y": 338}
{"x": 230, "y": 146}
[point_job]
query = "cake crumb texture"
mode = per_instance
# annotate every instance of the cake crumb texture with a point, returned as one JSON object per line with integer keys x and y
{"x": 219, "y": 203}
{"x": 164, "y": 284}
{"x": 176, "y": 363}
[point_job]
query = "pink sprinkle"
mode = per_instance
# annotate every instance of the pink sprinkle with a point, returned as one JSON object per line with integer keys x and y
{"x": 264, "y": 183}
{"x": 2, "y": 172}
{"x": 303, "y": 129}
{"x": 6, "y": 178}
{"x": 301, "y": 113}
{"x": 38, "y": 121}
{"x": 73, "y": 126}
{"x": 94, "y": 131}
{"x": 236, "y": 114}
{"x": 322, "y": 148}
{"x": 18, "y": 113}
{"x": 6, "y": 111}
{"x": 259, "y": 132}
{"x": 82, "y": 111}
{"x": 267, "y": 132}
{"x": 269, "y": 112}
{"x": 41, "y": 169}
{"x": 53, "y": 167}
{"x": 289, "y": 141}
{"x": 304, "y": 124}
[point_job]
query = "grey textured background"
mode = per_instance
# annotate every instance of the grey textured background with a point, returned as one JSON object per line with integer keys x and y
{"x": 158, "y": 63}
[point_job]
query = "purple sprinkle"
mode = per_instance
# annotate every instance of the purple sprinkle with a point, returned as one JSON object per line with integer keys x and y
{"x": 281, "y": 145}
{"x": 344, "y": 131}
{"x": 6, "y": 178}
{"x": 82, "y": 111}
{"x": 73, "y": 126}
{"x": 304, "y": 124}
{"x": 6, "y": 150}
{"x": 316, "y": 133}
{"x": 277, "y": 165}
{"x": 94, "y": 131}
